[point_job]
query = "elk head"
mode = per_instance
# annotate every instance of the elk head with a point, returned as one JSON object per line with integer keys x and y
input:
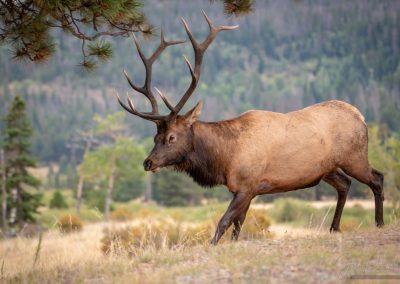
{"x": 174, "y": 138}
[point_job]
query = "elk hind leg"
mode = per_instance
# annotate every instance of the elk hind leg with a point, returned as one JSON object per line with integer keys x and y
{"x": 376, "y": 186}
{"x": 374, "y": 179}
{"x": 341, "y": 182}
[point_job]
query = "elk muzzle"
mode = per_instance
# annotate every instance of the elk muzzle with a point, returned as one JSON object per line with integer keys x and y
{"x": 149, "y": 165}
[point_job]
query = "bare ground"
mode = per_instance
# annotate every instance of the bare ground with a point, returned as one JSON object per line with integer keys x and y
{"x": 292, "y": 256}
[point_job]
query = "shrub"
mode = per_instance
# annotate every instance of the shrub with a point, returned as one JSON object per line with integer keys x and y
{"x": 256, "y": 225}
{"x": 95, "y": 199}
{"x": 292, "y": 210}
{"x": 146, "y": 234}
{"x": 58, "y": 201}
{"x": 70, "y": 223}
{"x": 121, "y": 214}
{"x": 349, "y": 224}
{"x": 155, "y": 233}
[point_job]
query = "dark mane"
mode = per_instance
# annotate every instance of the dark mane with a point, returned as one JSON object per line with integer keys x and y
{"x": 204, "y": 164}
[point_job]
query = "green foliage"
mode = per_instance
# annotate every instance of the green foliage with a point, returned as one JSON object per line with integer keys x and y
{"x": 279, "y": 66}
{"x": 238, "y": 7}
{"x": 110, "y": 126}
{"x": 292, "y": 210}
{"x": 95, "y": 199}
{"x": 18, "y": 159}
{"x": 302, "y": 213}
{"x": 103, "y": 50}
{"x": 175, "y": 189}
{"x": 26, "y": 26}
{"x": 128, "y": 155}
{"x": 384, "y": 154}
{"x": 58, "y": 201}
{"x": 120, "y": 161}
{"x": 317, "y": 54}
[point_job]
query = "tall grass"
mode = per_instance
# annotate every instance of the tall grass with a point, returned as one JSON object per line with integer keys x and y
{"x": 160, "y": 232}
{"x": 301, "y": 213}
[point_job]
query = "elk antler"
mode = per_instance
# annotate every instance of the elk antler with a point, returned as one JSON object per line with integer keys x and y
{"x": 146, "y": 88}
{"x": 199, "y": 50}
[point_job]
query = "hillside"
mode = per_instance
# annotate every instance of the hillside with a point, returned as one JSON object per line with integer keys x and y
{"x": 286, "y": 55}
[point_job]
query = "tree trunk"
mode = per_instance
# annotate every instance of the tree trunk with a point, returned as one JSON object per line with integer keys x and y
{"x": 20, "y": 220}
{"x": 79, "y": 195}
{"x": 13, "y": 213}
{"x": 79, "y": 189}
{"x": 3, "y": 193}
{"x": 148, "y": 194}
{"x": 109, "y": 193}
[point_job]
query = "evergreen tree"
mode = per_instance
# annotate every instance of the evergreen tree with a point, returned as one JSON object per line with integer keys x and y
{"x": 23, "y": 204}
{"x": 26, "y": 25}
{"x": 58, "y": 201}
{"x": 176, "y": 189}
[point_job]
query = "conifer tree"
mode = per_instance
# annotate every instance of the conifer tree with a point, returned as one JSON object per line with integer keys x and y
{"x": 26, "y": 25}
{"x": 22, "y": 203}
{"x": 58, "y": 201}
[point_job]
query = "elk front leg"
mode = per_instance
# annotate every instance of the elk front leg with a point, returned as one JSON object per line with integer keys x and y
{"x": 341, "y": 183}
{"x": 239, "y": 205}
{"x": 237, "y": 224}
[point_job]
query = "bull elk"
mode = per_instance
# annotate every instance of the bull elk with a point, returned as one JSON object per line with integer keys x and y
{"x": 258, "y": 152}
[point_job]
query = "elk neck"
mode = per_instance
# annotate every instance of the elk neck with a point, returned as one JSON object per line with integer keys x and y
{"x": 214, "y": 144}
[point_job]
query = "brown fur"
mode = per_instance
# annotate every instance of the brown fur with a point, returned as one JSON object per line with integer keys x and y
{"x": 262, "y": 152}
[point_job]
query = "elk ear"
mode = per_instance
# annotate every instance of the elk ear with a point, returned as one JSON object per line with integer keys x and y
{"x": 192, "y": 115}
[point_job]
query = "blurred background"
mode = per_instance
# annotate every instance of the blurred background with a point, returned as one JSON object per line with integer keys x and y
{"x": 286, "y": 55}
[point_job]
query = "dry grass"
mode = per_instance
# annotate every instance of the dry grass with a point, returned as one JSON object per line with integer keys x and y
{"x": 310, "y": 256}
{"x": 160, "y": 231}
{"x": 121, "y": 214}
{"x": 70, "y": 223}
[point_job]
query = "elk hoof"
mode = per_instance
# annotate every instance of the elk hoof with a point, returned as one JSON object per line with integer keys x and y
{"x": 334, "y": 230}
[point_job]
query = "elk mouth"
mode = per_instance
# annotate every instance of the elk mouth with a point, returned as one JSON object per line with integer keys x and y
{"x": 150, "y": 166}
{"x": 155, "y": 170}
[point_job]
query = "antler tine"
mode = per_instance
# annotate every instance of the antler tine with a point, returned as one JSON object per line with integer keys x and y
{"x": 171, "y": 42}
{"x": 139, "y": 49}
{"x": 189, "y": 33}
{"x": 163, "y": 45}
{"x": 122, "y": 104}
{"x": 207, "y": 19}
{"x": 167, "y": 103}
{"x": 146, "y": 88}
{"x": 199, "y": 50}
{"x": 189, "y": 66}
{"x": 135, "y": 87}
{"x": 220, "y": 28}
{"x": 148, "y": 116}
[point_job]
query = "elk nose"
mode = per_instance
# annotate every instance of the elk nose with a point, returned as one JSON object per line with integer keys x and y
{"x": 147, "y": 164}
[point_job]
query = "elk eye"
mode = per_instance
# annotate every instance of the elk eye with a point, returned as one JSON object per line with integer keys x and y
{"x": 172, "y": 138}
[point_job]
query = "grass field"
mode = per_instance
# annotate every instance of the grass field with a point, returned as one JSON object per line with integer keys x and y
{"x": 292, "y": 252}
